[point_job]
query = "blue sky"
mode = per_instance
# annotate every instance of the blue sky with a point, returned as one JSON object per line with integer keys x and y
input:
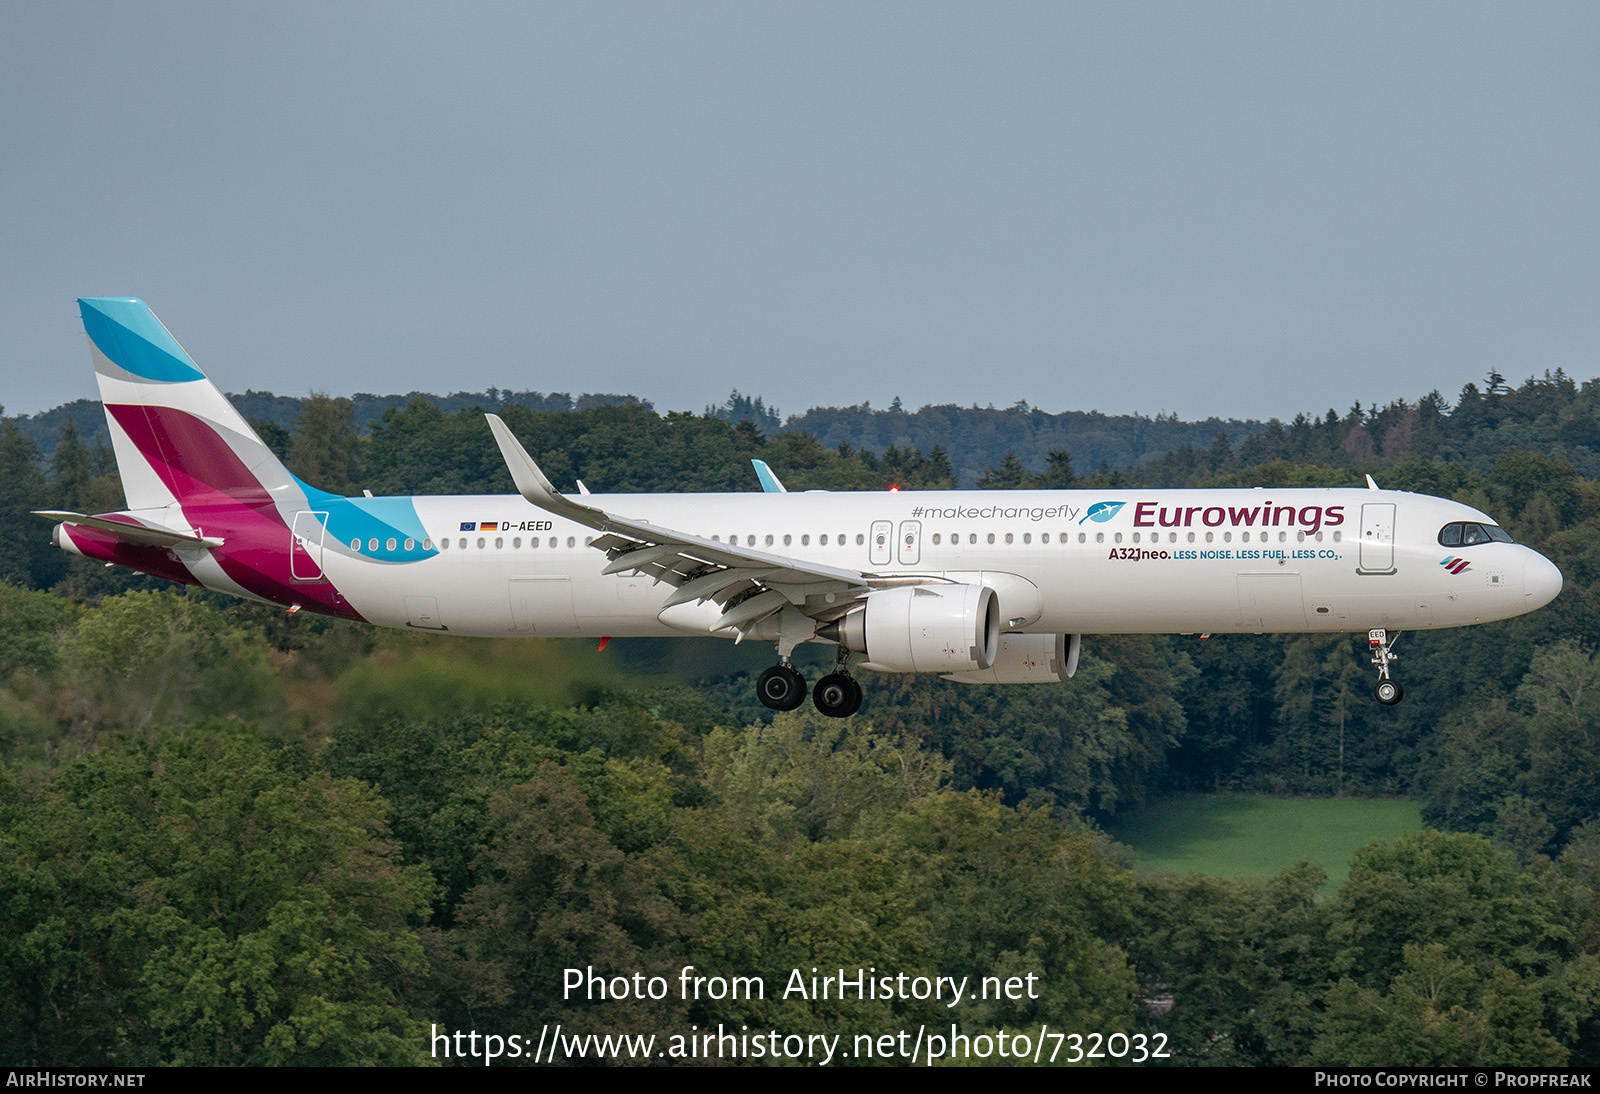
{"x": 1232, "y": 209}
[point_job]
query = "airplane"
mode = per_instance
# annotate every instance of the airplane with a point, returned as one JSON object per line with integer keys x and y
{"x": 982, "y": 587}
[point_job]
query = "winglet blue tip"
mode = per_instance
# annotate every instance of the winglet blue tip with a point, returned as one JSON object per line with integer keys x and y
{"x": 769, "y": 481}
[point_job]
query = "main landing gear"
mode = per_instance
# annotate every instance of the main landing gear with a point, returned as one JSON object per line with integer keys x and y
{"x": 1386, "y": 691}
{"x": 837, "y": 695}
{"x": 783, "y": 688}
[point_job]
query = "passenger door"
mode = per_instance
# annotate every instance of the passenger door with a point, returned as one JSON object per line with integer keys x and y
{"x": 1377, "y": 538}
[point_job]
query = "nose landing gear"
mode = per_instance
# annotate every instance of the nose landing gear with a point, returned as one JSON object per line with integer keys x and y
{"x": 1386, "y": 691}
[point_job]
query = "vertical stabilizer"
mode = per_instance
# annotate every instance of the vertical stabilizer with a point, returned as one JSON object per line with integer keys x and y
{"x": 176, "y": 438}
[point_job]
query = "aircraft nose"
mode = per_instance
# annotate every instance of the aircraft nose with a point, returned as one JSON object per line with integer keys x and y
{"x": 1541, "y": 581}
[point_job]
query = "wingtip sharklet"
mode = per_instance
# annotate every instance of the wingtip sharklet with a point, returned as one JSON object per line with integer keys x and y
{"x": 531, "y": 482}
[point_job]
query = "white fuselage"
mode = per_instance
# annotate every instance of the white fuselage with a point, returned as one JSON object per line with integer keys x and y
{"x": 1112, "y": 561}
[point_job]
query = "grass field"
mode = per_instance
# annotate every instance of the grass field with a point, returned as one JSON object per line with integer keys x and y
{"x": 1254, "y": 836}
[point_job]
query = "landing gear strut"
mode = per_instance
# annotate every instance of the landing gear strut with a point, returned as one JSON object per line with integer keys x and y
{"x": 781, "y": 687}
{"x": 1386, "y": 691}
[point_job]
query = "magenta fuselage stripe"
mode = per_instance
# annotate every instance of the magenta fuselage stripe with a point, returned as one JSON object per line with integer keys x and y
{"x": 104, "y": 547}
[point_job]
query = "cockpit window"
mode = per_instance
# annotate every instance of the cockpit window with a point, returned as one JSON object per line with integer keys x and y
{"x": 1466, "y": 534}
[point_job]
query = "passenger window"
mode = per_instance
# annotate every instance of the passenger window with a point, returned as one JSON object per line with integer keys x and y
{"x": 355, "y": 545}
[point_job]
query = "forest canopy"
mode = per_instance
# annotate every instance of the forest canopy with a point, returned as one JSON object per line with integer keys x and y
{"x": 229, "y": 835}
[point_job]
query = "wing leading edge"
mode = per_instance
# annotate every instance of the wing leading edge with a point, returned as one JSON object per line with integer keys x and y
{"x": 750, "y": 585}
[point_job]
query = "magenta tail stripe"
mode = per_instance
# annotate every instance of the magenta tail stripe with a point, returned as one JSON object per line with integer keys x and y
{"x": 193, "y": 462}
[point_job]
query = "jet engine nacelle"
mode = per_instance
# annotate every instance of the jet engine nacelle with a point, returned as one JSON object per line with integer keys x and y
{"x": 1028, "y": 659}
{"x": 926, "y": 628}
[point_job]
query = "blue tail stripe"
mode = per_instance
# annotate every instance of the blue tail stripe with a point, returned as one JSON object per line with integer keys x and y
{"x": 124, "y": 329}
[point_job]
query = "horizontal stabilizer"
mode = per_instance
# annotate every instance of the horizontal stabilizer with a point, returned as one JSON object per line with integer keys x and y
{"x": 130, "y": 532}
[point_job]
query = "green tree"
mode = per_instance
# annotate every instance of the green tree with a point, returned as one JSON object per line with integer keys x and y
{"x": 146, "y": 658}
{"x": 1243, "y": 964}
{"x": 1450, "y": 889}
{"x": 325, "y": 449}
{"x": 29, "y": 559}
{"x": 205, "y": 900}
{"x": 1436, "y": 1012}
{"x": 1009, "y": 892}
{"x": 553, "y": 894}
{"x": 1010, "y": 475}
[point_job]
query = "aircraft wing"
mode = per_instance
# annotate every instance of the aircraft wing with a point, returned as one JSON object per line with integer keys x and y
{"x": 750, "y": 584}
